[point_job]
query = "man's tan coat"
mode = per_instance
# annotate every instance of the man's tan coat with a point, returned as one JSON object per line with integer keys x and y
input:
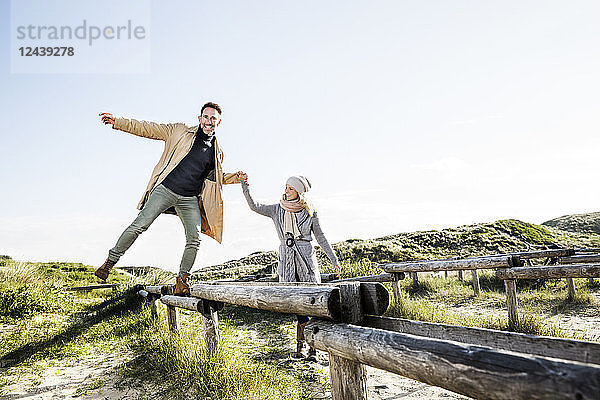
{"x": 179, "y": 139}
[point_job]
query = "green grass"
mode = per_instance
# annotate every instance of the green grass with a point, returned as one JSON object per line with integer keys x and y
{"x": 89, "y": 324}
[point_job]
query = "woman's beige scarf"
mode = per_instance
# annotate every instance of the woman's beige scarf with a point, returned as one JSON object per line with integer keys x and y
{"x": 290, "y": 224}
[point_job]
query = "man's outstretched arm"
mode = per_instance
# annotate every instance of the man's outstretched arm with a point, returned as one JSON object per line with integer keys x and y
{"x": 146, "y": 129}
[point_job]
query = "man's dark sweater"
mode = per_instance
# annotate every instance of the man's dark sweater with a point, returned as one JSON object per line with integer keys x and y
{"x": 188, "y": 176}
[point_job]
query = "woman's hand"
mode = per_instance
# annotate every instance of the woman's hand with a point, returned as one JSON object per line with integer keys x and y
{"x": 338, "y": 271}
{"x": 242, "y": 176}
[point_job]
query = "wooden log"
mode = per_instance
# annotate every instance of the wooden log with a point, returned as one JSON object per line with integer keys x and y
{"x": 375, "y": 298}
{"x": 385, "y": 277}
{"x": 351, "y": 304}
{"x": 189, "y": 303}
{"x": 551, "y": 272}
{"x": 581, "y": 259}
{"x": 453, "y": 265}
{"x": 272, "y": 278}
{"x": 475, "y": 279}
{"x": 157, "y": 289}
{"x": 474, "y": 371}
{"x": 571, "y": 288}
{"x": 93, "y": 287}
{"x": 315, "y": 301}
{"x": 567, "y": 349}
{"x": 328, "y": 277}
{"x": 511, "y": 303}
{"x": 172, "y": 317}
{"x": 542, "y": 253}
{"x": 348, "y": 377}
{"x": 587, "y": 251}
{"x": 325, "y": 277}
{"x": 210, "y": 324}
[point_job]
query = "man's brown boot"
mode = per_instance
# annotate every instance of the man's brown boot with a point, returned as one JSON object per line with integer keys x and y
{"x": 104, "y": 270}
{"x": 312, "y": 354}
{"x": 299, "y": 341}
{"x": 182, "y": 287}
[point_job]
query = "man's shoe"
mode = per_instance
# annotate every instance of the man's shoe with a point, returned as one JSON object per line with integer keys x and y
{"x": 182, "y": 287}
{"x": 104, "y": 270}
{"x": 312, "y": 354}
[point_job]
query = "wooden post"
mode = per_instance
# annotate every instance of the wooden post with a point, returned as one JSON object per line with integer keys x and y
{"x": 172, "y": 318}
{"x": 348, "y": 377}
{"x": 153, "y": 310}
{"x": 396, "y": 288}
{"x": 571, "y": 288}
{"x": 415, "y": 278}
{"x": 511, "y": 303}
{"x": 445, "y": 274}
{"x": 460, "y": 275}
{"x": 475, "y": 278}
{"x": 210, "y": 323}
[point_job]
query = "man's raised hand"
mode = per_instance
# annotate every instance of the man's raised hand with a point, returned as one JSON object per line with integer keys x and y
{"x": 107, "y": 118}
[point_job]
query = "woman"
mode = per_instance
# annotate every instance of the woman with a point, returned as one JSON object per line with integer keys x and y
{"x": 295, "y": 222}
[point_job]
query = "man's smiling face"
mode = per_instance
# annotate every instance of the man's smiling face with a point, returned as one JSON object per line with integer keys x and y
{"x": 209, "y": 120}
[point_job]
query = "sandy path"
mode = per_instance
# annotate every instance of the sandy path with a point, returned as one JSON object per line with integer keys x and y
{"x": 89, "y": 378}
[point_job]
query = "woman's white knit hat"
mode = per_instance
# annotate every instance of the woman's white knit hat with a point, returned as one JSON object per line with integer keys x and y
{"x": 300, "y": 183}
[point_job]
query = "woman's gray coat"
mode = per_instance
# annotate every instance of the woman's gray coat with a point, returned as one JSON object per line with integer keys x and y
{"x": 297, "y": 263}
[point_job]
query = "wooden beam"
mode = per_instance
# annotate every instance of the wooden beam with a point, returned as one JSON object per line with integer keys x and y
{"x": 375, "y": 298}
{"x": 157, "y": 289}
{"x": 385, "y": 277}
{"x": 567, "y": 349}
{"x": 551, "y": 272}
{"x": 474, "y": 371}
{"x": 316, "y": 301}
{"x": 453, "y": 265}
{"x": 581, "y": 259}
{"x": 189, "y": 303}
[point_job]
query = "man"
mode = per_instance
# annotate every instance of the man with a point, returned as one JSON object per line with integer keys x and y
{"x": 187, "y": 181}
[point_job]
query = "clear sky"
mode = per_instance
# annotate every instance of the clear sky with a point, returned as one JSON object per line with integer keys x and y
{"x": 405, "y": 115}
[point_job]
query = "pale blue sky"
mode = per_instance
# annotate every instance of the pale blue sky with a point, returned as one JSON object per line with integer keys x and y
{"x": 405, "y": 115}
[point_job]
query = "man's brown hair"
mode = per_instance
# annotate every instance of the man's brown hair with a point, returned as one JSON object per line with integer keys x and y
{"x": 210, "y": 104}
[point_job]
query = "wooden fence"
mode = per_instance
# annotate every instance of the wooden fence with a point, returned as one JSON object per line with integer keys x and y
{"x": 347, "y": 324}
{"x": 565, "y": 264}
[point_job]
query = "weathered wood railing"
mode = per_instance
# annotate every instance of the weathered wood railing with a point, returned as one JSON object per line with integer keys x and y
{"x": 346, "y": 323}
{"x": 509, "y": 267}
